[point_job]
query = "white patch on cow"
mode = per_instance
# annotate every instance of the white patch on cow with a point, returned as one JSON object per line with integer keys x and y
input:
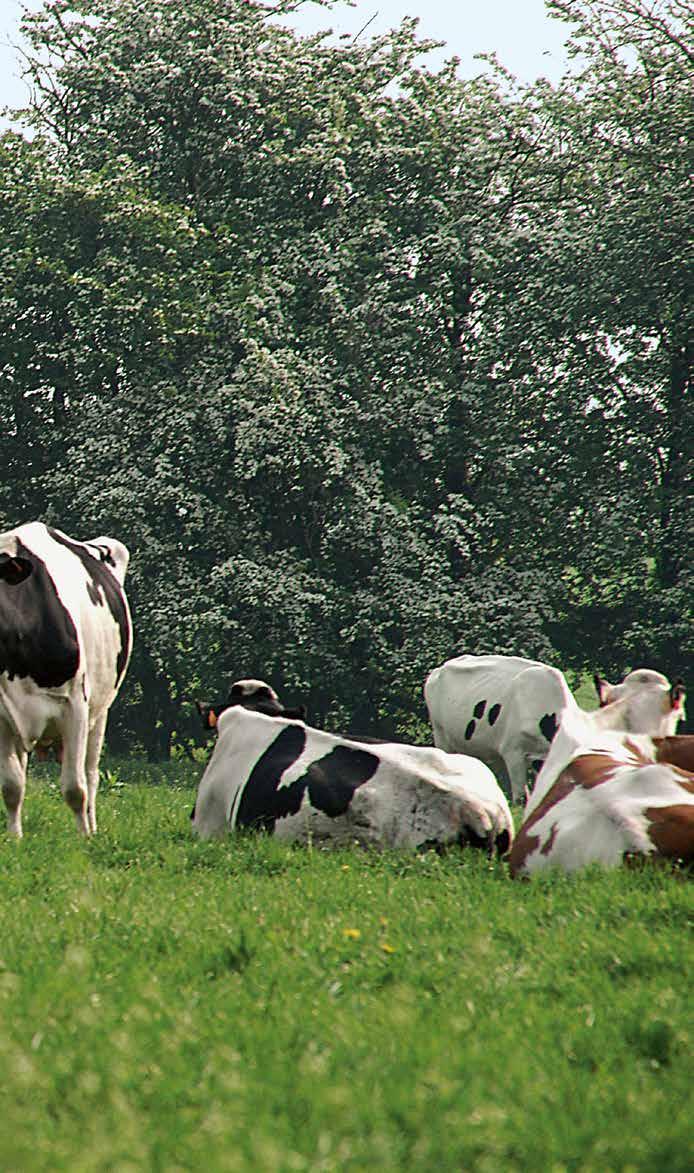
{"x": 648, "y": 701}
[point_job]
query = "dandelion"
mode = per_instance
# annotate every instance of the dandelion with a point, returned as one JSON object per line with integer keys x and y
{"x": 386, "y": 947}
{"x": 353, "y": 934}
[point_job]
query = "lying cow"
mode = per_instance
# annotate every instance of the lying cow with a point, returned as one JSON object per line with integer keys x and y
{"x": 505, "y": 710}
{"x": 604, "y": 796}
{"x": 65, "y": 642}
{"x": 251, "y": 694}
{"x": 302, "y": 784}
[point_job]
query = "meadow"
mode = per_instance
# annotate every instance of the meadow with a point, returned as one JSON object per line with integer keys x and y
{"x": 174, "y": 1005}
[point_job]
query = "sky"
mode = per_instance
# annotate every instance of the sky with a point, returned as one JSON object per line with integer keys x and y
{"x": 521, "y": 34}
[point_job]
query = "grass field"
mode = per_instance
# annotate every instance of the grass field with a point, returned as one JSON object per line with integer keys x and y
{"x": 239, "y": 1005}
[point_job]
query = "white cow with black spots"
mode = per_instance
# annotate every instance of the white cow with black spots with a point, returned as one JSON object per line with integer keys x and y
{"x": 65, "y": 642}
{"x": 505, "y": 710}
{"x": 302, "y": 784}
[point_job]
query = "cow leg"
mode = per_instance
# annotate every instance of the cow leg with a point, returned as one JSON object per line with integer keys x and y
{"x": 94, "y": 743}
{"x": 13, "y": 775}
{"x": 517, "y": 766}
{"x": 73, "y": 777}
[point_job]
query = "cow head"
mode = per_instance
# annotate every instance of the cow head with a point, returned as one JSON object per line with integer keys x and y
{"x": 651, "y": 704}
{"x": 250, "y": 694}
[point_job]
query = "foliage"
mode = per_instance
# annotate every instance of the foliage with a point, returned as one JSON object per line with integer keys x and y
{"x": 367, "y": 364}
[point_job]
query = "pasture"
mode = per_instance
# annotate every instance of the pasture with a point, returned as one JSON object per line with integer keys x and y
{"x": 173, "y": 1005}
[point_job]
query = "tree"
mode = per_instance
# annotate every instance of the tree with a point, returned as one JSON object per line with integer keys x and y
{"x": 354, "y": 355}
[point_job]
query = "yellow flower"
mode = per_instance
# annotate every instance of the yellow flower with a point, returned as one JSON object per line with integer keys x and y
{"x": 386, "y": 947}
{"x": 353, "y": 934}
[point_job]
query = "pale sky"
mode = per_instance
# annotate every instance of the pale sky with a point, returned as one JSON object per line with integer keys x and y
{"x": 525, "y": 40}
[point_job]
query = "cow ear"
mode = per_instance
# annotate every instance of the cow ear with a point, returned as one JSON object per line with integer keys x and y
{"x": 677, "y": 694}
{"x": 14, "y": 570}
{"x": 603, "y": 690}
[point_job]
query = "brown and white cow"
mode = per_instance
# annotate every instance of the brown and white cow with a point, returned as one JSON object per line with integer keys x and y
{"x": 604, "y": 795}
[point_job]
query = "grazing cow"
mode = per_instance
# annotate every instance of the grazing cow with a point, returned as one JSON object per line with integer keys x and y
{"x": 252, "y": 694}
{"x": 302, "y": 784}
{"x": 505, "y": 710}
{"x": 65, "y": 642}
{"x": 605, "y": 796}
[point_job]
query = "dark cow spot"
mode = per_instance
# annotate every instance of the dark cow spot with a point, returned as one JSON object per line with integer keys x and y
{"x": 549, "y": 726}
{"x": 493, "y": 713}
{"x": 38, "y": 638}
{"x": 503, "y": 843}
{"x": 479, "y": 709}
{"x": 331, "y": 781}
{"x": 469, "y": 730}
{"x": 102, "y": 586}
{"x": 14, "y": 570}
{"x": 261, "y": 801}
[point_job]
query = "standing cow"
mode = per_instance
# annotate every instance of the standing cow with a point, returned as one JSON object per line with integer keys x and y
{"x": 604, "y": 796}
{"x": 505, "y": 710}
{"x": 282, "y": 776}
{"x": 65, "y": 643}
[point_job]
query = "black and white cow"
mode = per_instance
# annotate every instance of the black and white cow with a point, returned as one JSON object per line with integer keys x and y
{"x": 505, "y": 710}
{"x": 65, "y": 642}
{"x": 251, "y": 694}
{"x": 303, "y": 784}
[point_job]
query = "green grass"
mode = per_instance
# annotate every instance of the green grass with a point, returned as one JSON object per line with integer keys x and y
{"x": 172, "y": 1005}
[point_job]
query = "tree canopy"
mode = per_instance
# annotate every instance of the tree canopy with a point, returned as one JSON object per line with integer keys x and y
{"x": 367, "y": 364}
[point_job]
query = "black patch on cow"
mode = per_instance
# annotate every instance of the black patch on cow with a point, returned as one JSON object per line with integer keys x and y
{"x": 333, "y": 779}
{"x": 502, "y": 843}
{"x": 330, "y": 781}
{"x": 469, "y": 729}
{"x": 469, "y": 838}
{"x": 262, "y": 802}
{"x": 479, "y": 709}
{"x": 493, "y": 714}
{"x": 38, "y": 638}
{"x": 549, "y": 726}
{"x": 102, "y": 587}
{"x": 14, "y": 570}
